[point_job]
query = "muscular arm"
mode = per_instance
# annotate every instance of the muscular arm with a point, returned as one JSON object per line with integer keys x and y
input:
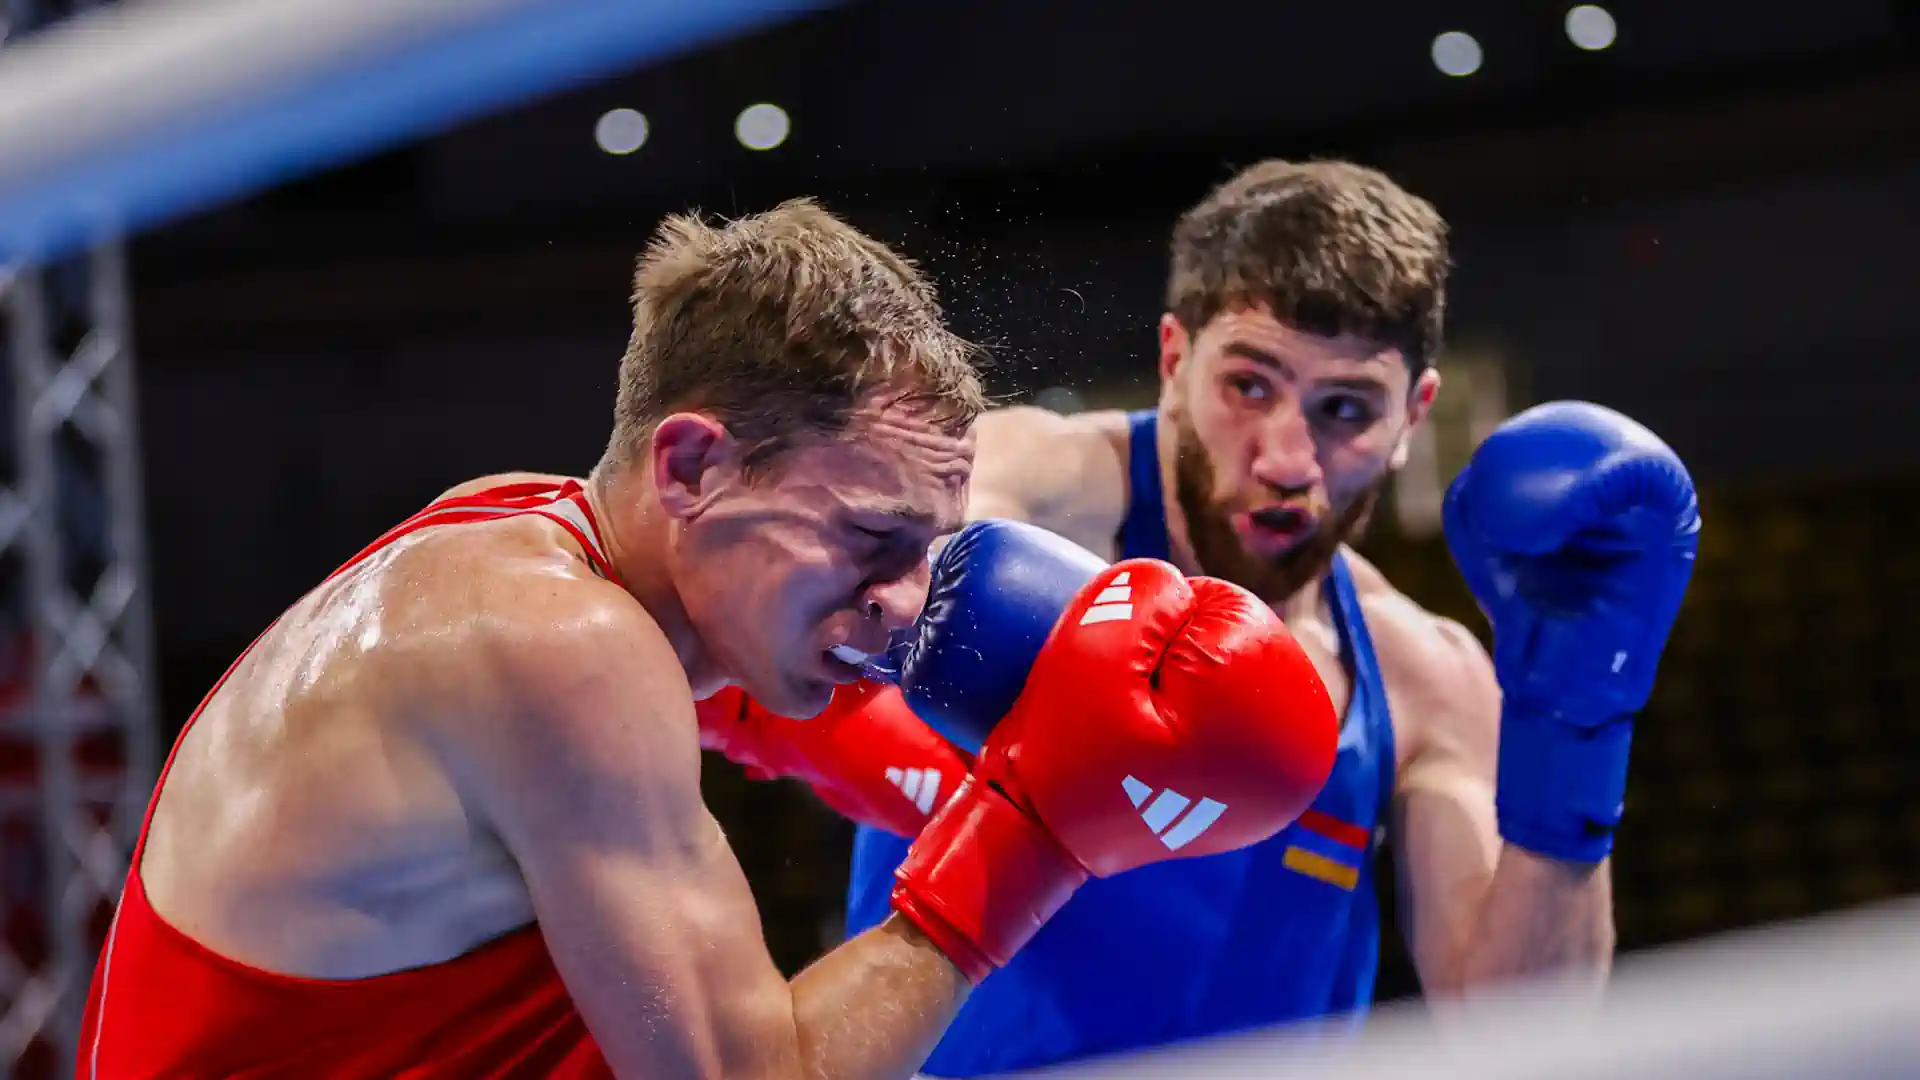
{"x": 1061, "y": 473}
{"x": 1477, "y": 910}
{"x": 591, "y": 780}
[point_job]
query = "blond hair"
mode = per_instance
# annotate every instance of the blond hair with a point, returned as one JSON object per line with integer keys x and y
{"x": 781, "y": 326}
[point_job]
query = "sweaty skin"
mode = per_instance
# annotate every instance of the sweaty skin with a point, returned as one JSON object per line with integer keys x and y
{"x": 472, "y": 729}
{"x": 1474, "y": 910}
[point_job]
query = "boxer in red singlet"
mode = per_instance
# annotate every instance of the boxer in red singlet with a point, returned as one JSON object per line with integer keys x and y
{"x": 442, "y": 819}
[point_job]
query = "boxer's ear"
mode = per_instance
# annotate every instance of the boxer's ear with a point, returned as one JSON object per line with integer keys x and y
{"x": 691, "y": 455}
{"x": 1175, "y": 343}
{"x": 1419, "y": 404}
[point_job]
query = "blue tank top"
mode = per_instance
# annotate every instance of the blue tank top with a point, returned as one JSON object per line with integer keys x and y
{"x": 1285, "y": 930}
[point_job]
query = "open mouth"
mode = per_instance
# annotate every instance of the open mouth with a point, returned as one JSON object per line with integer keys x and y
{"x": 1274, "y": 528}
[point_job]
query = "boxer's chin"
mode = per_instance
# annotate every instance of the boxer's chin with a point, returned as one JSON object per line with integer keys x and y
{"x": 803, "y": 697}
{"x": 815, "y": 701}
{"x": 1274, "y": 575}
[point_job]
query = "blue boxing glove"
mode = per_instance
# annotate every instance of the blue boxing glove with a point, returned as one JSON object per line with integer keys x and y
{"x": 998, "y": 588}
{"x": 1576, "y": 529}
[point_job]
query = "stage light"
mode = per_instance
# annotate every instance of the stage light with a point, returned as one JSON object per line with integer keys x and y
{"x": 621, "y": 131}
{"x": 1590, "y": 27}
{"x": 762, "y": 126}
{"x": 1456, "y": 53}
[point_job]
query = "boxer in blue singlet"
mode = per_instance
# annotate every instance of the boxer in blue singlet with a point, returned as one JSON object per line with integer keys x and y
{"x": 1285, "y": 930}
{"x": 1304, "y": 309}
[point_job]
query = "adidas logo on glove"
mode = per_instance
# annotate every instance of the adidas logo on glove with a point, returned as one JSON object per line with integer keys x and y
{"x": 920, "y": 786}
{"x": 1114, "y": 604}
{"x": 1164, "y": 813}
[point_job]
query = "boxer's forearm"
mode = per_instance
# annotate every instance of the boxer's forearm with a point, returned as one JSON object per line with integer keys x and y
{"x": 1541, "y": 916}
{"x": 1576, "y": 530}
{"x": 875, "y": 1007}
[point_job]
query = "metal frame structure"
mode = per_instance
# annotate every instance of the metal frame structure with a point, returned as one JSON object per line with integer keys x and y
{"x": 82, "y": 715}
{"x": 78, "y": 737}
{"x": 77, "y": 727}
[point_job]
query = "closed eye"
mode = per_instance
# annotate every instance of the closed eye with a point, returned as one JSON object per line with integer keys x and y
{"x": 897, "y": 539}
{"x": 893, "y": 551}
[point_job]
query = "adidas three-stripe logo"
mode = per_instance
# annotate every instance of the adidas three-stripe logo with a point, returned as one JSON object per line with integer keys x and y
{"x": 920, "y": 786}
{"x": 1114, "y": 604}
{"x": 1174, "y": 818}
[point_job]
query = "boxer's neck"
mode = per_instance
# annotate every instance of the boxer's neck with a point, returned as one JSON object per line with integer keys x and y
{"x": 1308, "y": 603}
{"x": 636, "y": 532}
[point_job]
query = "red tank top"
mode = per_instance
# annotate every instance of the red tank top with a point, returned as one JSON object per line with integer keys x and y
{"x": 163, "y": 1005}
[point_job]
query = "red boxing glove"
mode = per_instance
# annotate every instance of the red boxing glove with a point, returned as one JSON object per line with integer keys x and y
{"x": 1190, "y": 724}
{"x": 866, "y": 755}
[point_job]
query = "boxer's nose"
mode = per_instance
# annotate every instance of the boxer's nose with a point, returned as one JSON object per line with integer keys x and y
{"x": 893, "y": 605}
{"x": 1288, "y": 457}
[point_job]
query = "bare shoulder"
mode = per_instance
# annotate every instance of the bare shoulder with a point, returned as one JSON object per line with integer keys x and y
{"x": 1064, "y": 473}
{"x": 1439, "y": 678}
{"x": 484, "y": 483}
{"x": 510, "y": 618}
{"x": 544, "y": 678}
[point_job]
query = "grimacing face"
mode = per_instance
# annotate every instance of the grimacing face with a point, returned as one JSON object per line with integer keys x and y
{"x": 1283, "y": 442}
{"x": 794, "y": 577}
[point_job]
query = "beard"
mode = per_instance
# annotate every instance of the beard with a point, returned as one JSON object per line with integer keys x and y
{"x": 1216, "y": 544}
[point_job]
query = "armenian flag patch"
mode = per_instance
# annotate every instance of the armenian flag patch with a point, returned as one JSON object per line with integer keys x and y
{"x": 1327, "y": 849}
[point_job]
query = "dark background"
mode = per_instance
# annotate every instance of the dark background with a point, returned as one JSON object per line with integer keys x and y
{"x": 1711, "y": 226}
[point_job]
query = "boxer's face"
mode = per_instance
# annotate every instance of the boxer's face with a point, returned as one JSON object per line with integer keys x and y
{"x": 790, "y": 575}
{"x": 1284, "y": 441}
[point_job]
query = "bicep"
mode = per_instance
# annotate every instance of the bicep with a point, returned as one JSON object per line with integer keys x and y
{"x": 1047, "y": 470}
{"x": 664, "y": 955}
{"x": 642, "y": 904}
